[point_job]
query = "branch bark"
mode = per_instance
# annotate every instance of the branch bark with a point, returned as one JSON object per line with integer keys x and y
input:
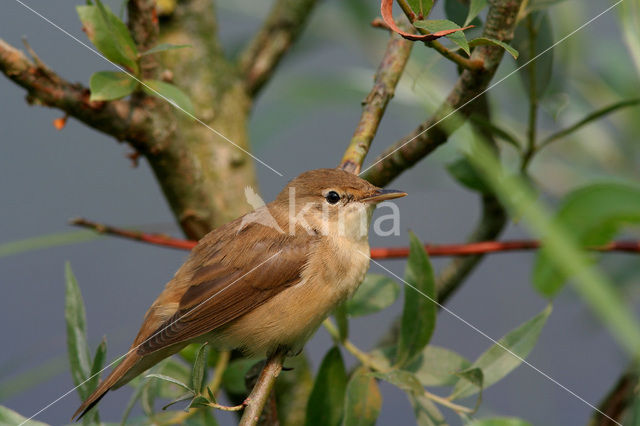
{"x": 385, "y": 81}
{"x": 617, "y": 402}
{"x": 44, "y": 87}
{"x": 264, "y": 52}
{"x": 262, "y": 390}
{"x": 500, "y": 23}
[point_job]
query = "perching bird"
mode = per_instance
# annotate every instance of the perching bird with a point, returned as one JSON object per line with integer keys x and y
{"x": 265, "y": 282}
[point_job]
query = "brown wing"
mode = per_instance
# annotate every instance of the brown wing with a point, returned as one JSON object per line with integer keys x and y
{"x": 225, "y": 278}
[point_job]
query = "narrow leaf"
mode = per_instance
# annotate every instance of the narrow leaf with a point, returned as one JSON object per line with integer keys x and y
{"x": 199, "y": 401}
{"x": 109, "y": 34}
{"x": 426, "y": 412}
{"x": 109, "y": 85}
{"x": 446, "y": 28}
{"x": 10, "y": 417}
{"x": 374, "y": 294}
{"x": 325, "y": 405}
{"x": 77, "y": 348}
{"x": 465, "y": 174}
{"x": 199, "y": 367}
{"x": 169, "y": 93}
{"x": 185, "y": 397}
{"x": 421, "y": 7}
{"x": 486, "y": 40}
{"x": 402, "y": 379}
{"x": 363, "y": 400}
{"x": 169, "y": 379}
{"x": 46, "y": 241}
{"x": 97, "y": 365}
{"x": 594, "y": 215}
{"x": 163, "y": 47}
{"x": 419, "y": 312}
{"x": 500, "y": 421}
{"x": 475, "y": 7}
{"x": 499, "y": 360}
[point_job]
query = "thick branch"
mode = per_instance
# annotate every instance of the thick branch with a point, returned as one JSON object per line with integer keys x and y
{"x": 373, "y": 107}
{"x": 281, "y": 28}
{"x": 116, "y": 118}
{"x": 500, "y": 24}
{"x": 143, "y": 25}
{"x": 262, "y": 389}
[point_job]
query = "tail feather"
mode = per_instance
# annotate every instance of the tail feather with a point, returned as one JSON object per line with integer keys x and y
{"x": 106, "y": 385}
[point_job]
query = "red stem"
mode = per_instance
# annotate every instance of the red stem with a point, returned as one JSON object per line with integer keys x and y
{"x": 482, "y": 247}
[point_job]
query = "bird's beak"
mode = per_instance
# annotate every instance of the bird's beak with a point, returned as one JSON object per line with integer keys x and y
{"x": 383, "y": 194}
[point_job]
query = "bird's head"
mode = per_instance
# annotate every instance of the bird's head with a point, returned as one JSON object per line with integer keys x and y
{"x": 332, "y": 201}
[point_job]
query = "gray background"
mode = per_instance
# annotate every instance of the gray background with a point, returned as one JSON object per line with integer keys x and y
{"x": 303, "y": 120}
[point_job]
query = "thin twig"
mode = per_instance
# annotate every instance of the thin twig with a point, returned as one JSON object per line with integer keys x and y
{"x": 262, "y": 389}
{"x": 473, "y": 64}
{"x": 434, "y": 250}
{"x": 385, "y": 81}
{"x": 499, "y": 25}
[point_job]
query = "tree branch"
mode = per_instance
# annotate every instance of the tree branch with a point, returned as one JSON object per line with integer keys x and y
{"x": 262, "y": 55}
{"x": 262, "y": 389}
{"x": 434, "y": 250}
{"x": 143, "y": 25}
{"x": 619, "y": 399}
{"x": 44, "y": 87}
{"x": 385, "y": 81}
{"x": 500, "y": 24}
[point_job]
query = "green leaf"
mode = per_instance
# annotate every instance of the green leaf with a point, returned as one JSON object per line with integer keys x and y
{"x": 176, "y": 370}
{"x": 109, "y": 85}
{"x": 500, "y": 421}
{"x": 376, "y": 293}
{"x": 593, "y": 286}
{"x": 402, "y": 379}
{"x": 497, "y": 362}
{"x": 97, "y": 365}
{"x": 184, "y": 397}
{"x": 163, "y": 47}
{"x": 10, "y": 417}
{"x": 199, "y": 401}
{"x": 340, "y": 314}
{"x": 475, "y": 377}
{"x": 46, "y": 241}
{"x": 199, "y": 366}
{"x": 419, "y": 312}
{"x": 434, "y": 366}
{"x": 593, "y": 215}
{"x": 457, "y": 12}
{"x": 325, "y": 405}
{"x": 435, "y": 25}
{"x": 421, "y": 7}
{"x": 426, "y": 412}
{"x": 109, "y": 34}
{"x": 465, "y": 174}
{"x": 475, "y": 7}
{"x": 77, "y": 348}
{"x": 233, "y": 379}
{"x": 530, "y": 41}
{"x": 486, "y": 40}
{"x": 170, "y": 380}
{"x": 363, "y": 400}
{"x": 169, "y": 93}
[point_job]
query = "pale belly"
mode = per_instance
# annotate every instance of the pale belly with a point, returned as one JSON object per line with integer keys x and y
{"x": 292, "y": 316}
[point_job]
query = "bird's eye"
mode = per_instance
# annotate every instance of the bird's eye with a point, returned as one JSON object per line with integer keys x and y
{"x": 332, "y": 197}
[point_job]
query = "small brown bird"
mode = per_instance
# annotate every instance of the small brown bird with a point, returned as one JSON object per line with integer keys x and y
{"x": 264, "y": 281}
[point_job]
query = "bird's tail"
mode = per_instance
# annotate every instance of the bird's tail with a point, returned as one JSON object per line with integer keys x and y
{"x": 104, "y": 386}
